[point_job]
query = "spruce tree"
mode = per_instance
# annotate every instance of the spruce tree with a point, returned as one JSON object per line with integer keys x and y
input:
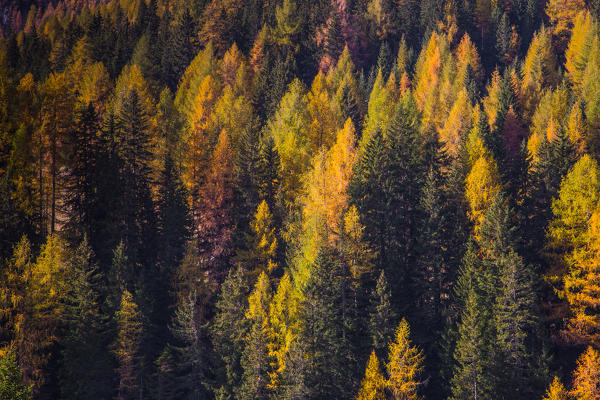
{"x": 86, "y": 370}
{"x": 322, "y": 356}
{"x": 382, "y": 320}
{"x": 189, "y": 351}
{"x": 228, "y": 331}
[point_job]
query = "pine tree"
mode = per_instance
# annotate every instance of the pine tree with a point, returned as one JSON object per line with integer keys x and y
{"x": 127, "y": 348}
{"x": 373, "y": 384}
{"x": 404, "y": 366}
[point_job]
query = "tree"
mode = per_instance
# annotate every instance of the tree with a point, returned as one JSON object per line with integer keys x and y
{"x": 482, "y": 184}
{"x": 127, "y": 348}
{"x": 228, "y": 331}
{"x": 189, "y": 351}
{"x": 562, "y": 14}
{"x": 586, "y": 379}
{"x": 556, "y": 391}
{"x": 373, "y": 384}
{"x": 12, "y": 385}
{"x": 322, "y": 350}
{"x": 383, "y": 318}
{"x": 86, "y": 368}
{"x": 404, "y": 366}
{"x": 136, "y": 152}
{"x": 255, "y": 358}
{"x": 55, "y": 115}
{"x": 262, "y": 243}
{"x": 385, "y": 188}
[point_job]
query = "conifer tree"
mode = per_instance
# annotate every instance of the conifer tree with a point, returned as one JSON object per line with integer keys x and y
{"x": 586, "y": 379}
{"x": 556, "y": 391}
{"x": 189, "y": 351}
{"x": 127, "y": 348}
{"x": 228, "y": 331}
{"x": 383, "y": 318}
{"x": 373, "y": 384}
{"x": 86, "y": 369}
{"x": 12, "y": 385}
{"x": 404, "y": 366}
{"x": 322, "y": 350}
{"x": 255, "y": 358}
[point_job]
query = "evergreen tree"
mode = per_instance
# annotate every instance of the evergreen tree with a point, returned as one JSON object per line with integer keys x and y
{"x": 189, "y": 352}
{"x": 228, "y": 331}
{"x": 12, "y": 385}
{"x": 86, "y": 369}
{"x": 322, "y": 351}
{"x": 386, "y": 188}
{"x": 383, "y": 318}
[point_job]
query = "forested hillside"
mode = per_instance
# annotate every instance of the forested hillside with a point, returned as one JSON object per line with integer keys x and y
{"x": 286, "y": 199}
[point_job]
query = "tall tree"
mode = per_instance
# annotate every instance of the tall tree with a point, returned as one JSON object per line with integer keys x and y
{"x": 404, "y": 366}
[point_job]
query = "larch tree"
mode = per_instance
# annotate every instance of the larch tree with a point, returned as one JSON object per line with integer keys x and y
{"x": 12, "y": 385}
{"x": 255, "y": 359}
{"x": 586, "y": 377}
{"x": 562, "y": 14}
{"x": 213, "y": 229}
{"x": 198, "y": 140}
{"x": 127, "y": 348}
{"x": 482, "y": 184}
{"x": 404, "y": 366}
{"x": 372, "y": 386}
{"x": 556, "y": 391}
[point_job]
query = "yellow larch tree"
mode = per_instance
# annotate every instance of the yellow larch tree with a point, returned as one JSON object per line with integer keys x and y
{"x": 405, "y": 365}
{"x": 372, "y": 386}
{"x": 556, "y": 391}
{"x": 482, "y": 184}
{"x": 586, "y": 380}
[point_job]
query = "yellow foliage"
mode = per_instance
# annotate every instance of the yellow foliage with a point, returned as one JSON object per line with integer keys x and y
{"x": 457, "y": 124}
{"x": 373, "y": 384}
{"x": 556, "y": 391}
{"x": 405, "y": 365}
{"x": 482, "y": 184}
{"x": 586, "y": 381}
{"x": 562, "y": 14}
{"x": 577, "y": 54}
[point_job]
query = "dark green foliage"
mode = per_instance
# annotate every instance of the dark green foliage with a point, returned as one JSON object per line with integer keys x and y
{"x": 12, "y": 385}
{"x": 87, "y": 370}
{"x": 387, "y": 184}
{"x": 331, "y": 369}
{"x": 189, "y": 351}
{"x": 382, "y": 320}
{"x": 228, "y": 331}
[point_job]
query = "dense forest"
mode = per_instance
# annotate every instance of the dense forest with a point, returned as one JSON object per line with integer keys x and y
{"x": 287, "y": 199}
